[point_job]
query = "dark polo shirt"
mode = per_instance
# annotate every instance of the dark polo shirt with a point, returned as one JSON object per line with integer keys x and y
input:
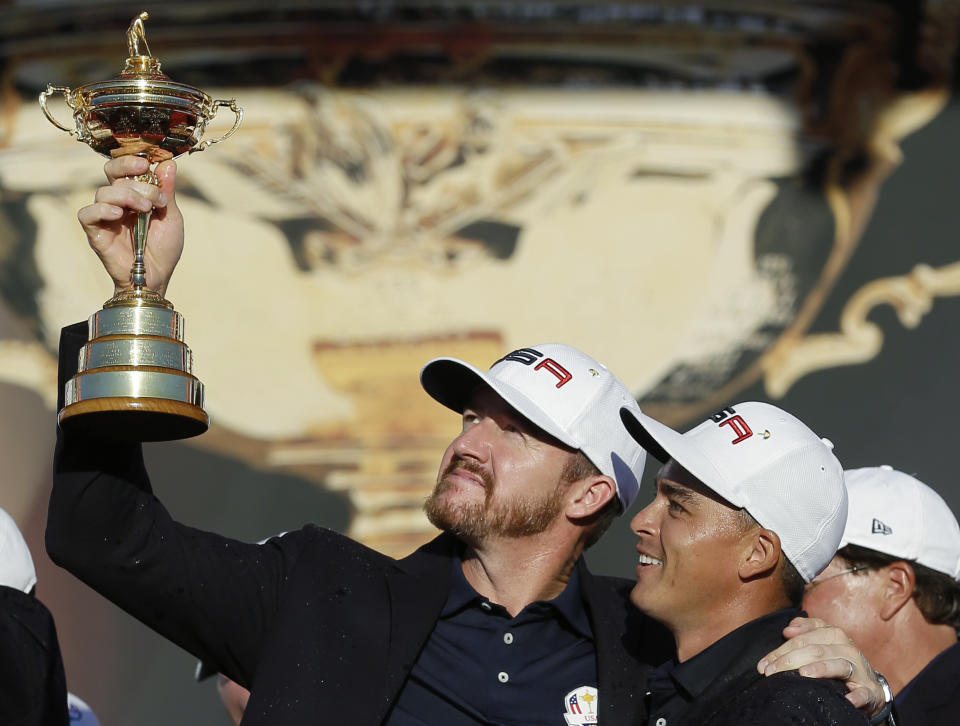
{"x": 481, "y": 666}
{"x": 720, "y": 685}
{"x": 33, "y": 691}
{"x": 932, "y": 698}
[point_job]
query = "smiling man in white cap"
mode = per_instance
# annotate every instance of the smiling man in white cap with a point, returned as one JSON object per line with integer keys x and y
{"x": 893, "y": 587}
{"x": 750, "y": 505}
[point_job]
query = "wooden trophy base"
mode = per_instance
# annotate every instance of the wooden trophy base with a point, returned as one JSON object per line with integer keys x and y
{"x": 124, "y": 418}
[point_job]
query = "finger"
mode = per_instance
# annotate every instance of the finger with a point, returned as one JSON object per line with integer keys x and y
{"x": 857, "y": 698}
{"x": 837, "y": 668}
{"x": 145, "y": 189}
{"x": 800, "y": 633}
{"x": 862, "y": 698}
{"x": 167, "y": 180}
{"x": 864, "y": 673}
{"x": 167, "y": 174}
{"x": 775, "y": 655}
{"x": 795, "y": 658}
{"x": 818, "y": 633}
{"x": 849, "y": 652}
{"x": 805, "y": 625}
{"x": 131, "y": 195}
{"x": 94, "y": 214}
{"x": 124, "y": 166}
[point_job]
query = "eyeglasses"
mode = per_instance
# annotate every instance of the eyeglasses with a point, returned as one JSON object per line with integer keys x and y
{"x": 820, "y": 580}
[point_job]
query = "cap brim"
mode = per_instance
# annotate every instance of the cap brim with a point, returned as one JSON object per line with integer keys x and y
{"x": 451, "y": 381}
{"x": 638, "y": 431}
{"x": 663, "y": 443}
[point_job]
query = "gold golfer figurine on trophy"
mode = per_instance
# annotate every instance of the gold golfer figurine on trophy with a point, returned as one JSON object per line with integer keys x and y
{"x": 135, "y": 376}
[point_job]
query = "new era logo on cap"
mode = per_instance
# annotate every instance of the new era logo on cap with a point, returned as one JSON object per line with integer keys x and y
{"x": 880, "y": 528}
{"x": 561, "y": 390}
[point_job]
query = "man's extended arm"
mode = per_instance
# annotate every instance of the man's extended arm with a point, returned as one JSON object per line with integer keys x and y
{"x": 211, "y": 595}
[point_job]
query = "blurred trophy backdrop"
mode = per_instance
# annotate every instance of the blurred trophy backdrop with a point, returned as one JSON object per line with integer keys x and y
{"x": 721, "y": 200}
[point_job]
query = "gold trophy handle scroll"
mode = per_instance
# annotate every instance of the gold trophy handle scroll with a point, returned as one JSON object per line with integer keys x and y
{"x": 238, "y": 112}
{"x": 44, "y": 95}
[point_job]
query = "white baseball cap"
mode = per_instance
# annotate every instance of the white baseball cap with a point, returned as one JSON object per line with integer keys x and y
{"x": 893, "y": 513}
{"x": 759, "y": 457}
{"x": 16, "y": 564}
{"x": 561, "y": 390}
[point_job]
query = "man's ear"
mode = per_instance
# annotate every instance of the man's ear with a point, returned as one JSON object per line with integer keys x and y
{"x": 589, "y": 495}
{"x": 898, "y": 584}
{"x": 761, "y": 553}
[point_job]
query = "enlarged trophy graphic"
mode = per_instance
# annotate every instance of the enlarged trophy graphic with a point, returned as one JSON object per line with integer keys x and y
{"x": 135, "y": 375}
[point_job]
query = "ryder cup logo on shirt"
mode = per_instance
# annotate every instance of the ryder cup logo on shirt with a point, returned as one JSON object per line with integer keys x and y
{"x": 581, "y": 706}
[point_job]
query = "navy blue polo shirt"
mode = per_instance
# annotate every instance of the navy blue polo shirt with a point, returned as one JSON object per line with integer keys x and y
{"x": 481, "y": 666}
{"x": 674, "y": 689}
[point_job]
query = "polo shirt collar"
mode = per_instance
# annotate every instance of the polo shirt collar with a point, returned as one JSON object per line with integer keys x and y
{"x": 695, "y": 675}
{"x": 569, "y": 603}
{"x": 929, "y": 670}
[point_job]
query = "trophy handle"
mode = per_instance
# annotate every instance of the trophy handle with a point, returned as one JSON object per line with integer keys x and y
{"x": 232, "y": 105}
{"x": 44, "y": 95}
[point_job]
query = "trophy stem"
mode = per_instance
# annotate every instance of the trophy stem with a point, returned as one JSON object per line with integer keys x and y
{"x": 138, "y": 271}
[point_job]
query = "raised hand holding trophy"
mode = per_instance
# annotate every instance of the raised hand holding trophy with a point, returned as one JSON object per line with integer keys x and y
{"x": 135, "y": 375}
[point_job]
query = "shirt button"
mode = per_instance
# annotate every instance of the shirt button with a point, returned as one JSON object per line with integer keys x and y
{"x": 486, "y": 606}
{"x": 508, "y": 638}
{"x": 503, "y": 678}
{"x": 661, "y": 721}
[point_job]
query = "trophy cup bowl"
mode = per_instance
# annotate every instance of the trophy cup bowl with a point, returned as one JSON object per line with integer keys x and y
{"x": 135, "y": 377}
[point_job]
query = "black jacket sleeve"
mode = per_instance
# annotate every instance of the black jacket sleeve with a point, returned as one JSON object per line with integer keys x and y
{"x": 215, "y": 597}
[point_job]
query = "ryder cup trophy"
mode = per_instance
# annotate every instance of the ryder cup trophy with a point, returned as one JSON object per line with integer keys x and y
{"x": 135, "y": 380}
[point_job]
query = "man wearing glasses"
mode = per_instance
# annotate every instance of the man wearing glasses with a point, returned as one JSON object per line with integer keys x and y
{"x": 893, "y": 588}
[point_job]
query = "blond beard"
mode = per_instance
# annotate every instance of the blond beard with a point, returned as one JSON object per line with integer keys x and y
{"x": 475, "y": 522}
